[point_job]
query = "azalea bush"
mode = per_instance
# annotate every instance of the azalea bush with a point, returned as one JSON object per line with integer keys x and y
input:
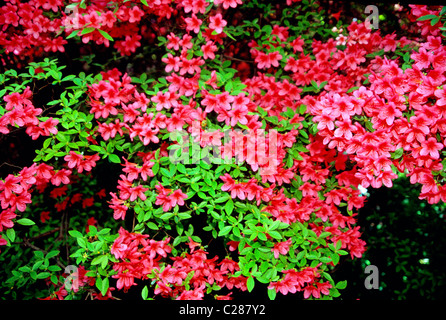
{"x": 195, "y": 149}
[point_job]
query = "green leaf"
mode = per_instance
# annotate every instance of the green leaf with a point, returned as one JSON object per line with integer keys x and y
{"x": 97, "y": 260}
{"x": 92, "y": 231}
{"x": 102, "y": 259}
{"x": 338, "y": 244}
{"x": 224, "y": 231}
{"x": 97, "y": 148}
{"x": 155, "y": 168}
{"x": 87, "y": 30}
{"x": 52, "y": 254}
{"x": 301, "y": 148}
{"x": 10, "y": 233}
{"x": 165, "y": 172}
{"x": 230, "y": 36}
{"x": 114, "y": 158}
{"x": 104, "y": 231}
{"x": 82, "y": 242}
{"x": 352, "y": 89}
{"x": 67, "y": 78}
{"x": 105, "y": 286}
{"x": 25, "y": 222}
{"x": 98, "y": 282}
{"x": 274, "y": 225}
{"x": 75, "y": 234}
{"x": 229, "y": 207}
{"x": 335, "y": 258}
{"x": 61, "y": 137}
{"x": 184, "y": 215}
{"x": 275, "y": 235}
{"x": 72, "y": 34}
{"x": 236, "y": 232}
{"x": 267, "y": 29}
{"x": 205, "y": 165}
{"x": 221, "y": 199}
{"x": 166, "y": 216}
{"x": 39, "y": 254}
{"x": 46, "y": 143}
{"x": 435, "y": 21}
{"x": 43, "y": 275}
{"x": 272, "y": 119}
{"x": 272, "y": 294}
{"x": 181, "y": 168}
{"x": 152, "y": 225}
{"x": 262, "y": 112}
{"x": 145, "y": 291}
{"x": 176, "y": 241}
{"x": 54, "y": 268}
{"x": 105, "y": 35}
{"x": 262, "y": 236}
{"x": 250, "y": 284}
{"x": 202, "y": 195}
{"x": 427, "y": 17}
{"x": 54, "y": 279}
{"x": 341, "y": 284}
{"x": 374, "y": 54}
{"x": 398, "y": 153}
{"x": 303, "y": 133}
{"x": 325, "y": 259}
{"x": 228, "y": 86}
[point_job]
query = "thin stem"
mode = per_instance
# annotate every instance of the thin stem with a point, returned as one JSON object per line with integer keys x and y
{"x": 30, "y": 245}
{"x": 11, "y": 165}
{"x": 237, "y": 59}
{"x": 44, "y": 234}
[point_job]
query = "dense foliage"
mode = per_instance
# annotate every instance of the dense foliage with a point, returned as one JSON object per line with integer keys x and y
{"x": 404, "y": 236}
{"x": 206, "y": 147}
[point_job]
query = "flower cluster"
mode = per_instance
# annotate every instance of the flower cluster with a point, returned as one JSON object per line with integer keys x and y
{"x": 27, "y": 31}
{"x": 22, "y": 113}
{"x": 396, "y": 122}
{"x": 186, "y": 278}
{"x": 168, "y": 199}
{"x": 16, "y": 191}
{"x": 303, "y": 280}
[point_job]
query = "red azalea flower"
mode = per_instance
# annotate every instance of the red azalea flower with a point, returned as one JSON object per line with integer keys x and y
{"x": 281, "y": 248}
{"x": 44, "y": 216}
{"x": 6, "y": 217}
{"x": 217, "y": 23}
{"x": 61, "y": 176}
{"x": 10, "y": 185}
{"x": 178, "y": 197}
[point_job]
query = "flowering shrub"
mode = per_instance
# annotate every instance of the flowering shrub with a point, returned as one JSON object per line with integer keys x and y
{"x": 234, "y": 155}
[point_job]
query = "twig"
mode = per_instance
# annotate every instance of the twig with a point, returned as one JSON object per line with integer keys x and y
{"x": 134, "y": 218}
{"x": 30, "y": 245}
{"x": 11, "y": 165}
{"x": 44, "y": 234}
{"x": 237, "y": 59}
{"x": 67, "y": 249}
